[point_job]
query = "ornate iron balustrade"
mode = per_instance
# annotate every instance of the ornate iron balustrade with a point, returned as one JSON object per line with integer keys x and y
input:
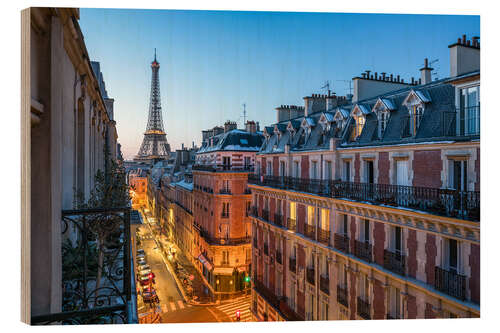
{"x": 291, "y": 224}
{"x": 442, "y": 202}
{"x": 324, "y": 284}
{"x": 96, "y": 269}
{"x": 363, "y": 250}
{"x": 278, "y": 257}
{"x": 265, "y": 292}
{"x": 395, "y": 262}
{"x": 266, "y": 249}
{"x": 310, "y": 275}
{"x": 288, "y": 313}
{"x": 310, "y": 231}
{"x": 324, "y": 236}
{"x": 342, "y": 296}
{"x": 341, "y": 242}
{"x": 224, "y": 240}
{"x": 363, "y": 308}
{"x": 225, "y": 191}
{"x": 292, "y": 264}
{"x": 278, "y": 220}
{"x": 450, "y": 282}
{"x": 265, "y": 214}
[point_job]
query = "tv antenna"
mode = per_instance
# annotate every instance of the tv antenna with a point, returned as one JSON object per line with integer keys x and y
{"x": 350, "y": 84}
{"x": 244, "y": 114}
{"x": 435, "y": 72}
{"x": 327, "y": 86}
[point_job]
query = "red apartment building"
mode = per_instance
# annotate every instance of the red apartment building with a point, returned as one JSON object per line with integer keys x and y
{"x": 221, "y": 204}
{"x": 367, "y": 207}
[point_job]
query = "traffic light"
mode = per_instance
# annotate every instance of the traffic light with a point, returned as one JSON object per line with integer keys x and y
{"x": 247, "y": 278}
{"x": 238, "y": 315}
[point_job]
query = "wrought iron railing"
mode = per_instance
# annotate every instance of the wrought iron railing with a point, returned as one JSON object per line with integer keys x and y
{"x": 255, "y": 242}
{"x": 341, "y": 242}
{"x": 266, "y": 249}
{"x": 292, "y": 264}
{"x": 324, "y": 284}
{"x": 254, "y": 211}
{"x": 363, "y": 250}
{"x": 464, "y": 122}
{"x": 310, "y": 275}
{"x": 278, "y": 257}
{"x": 395, "y": 262}
{"x": 286, "y": 310}
{"x": 324, "y": 236}
{"x": 310, "y": 231}
{"x": 291, "y": 224}
{"x": 224, "y": 240}
{"x": 225, "y": 191}
{"x": 363, "y": 308}
{"x": 96, "y": 268}
{"x": 223, "y": 168}
{"x": 278, "y": 220}
{"x": 450, "y": 282}
{"x": 443, "y": 202}
{"x": 265, "y": 214}
{"x": 342, "y": 296}
{"x": 265, "y": 292}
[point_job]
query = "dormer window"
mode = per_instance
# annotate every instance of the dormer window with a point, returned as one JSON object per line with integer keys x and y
{"x": 359, "y": 123}
{"x": 383, "y": 118}
{"x": 382, "y": 109}
{"x": 415, "y": 102}
{"x": 416, "y": 114}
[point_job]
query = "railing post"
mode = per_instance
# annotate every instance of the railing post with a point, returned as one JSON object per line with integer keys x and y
{"x": 126, "y": 256}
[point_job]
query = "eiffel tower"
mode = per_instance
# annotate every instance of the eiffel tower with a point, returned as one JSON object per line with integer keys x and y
{"x": 154, "y": 147}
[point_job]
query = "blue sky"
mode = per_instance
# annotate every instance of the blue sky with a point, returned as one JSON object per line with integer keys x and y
{"x": 214, "y": 61}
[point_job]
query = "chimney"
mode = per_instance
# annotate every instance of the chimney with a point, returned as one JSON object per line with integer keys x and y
{"x": 229, "y": 126}
{"x": 464, "y": 56}
{"x": 331, "y": 102}
{"x": 425, "y": 72}
{"x": 250, "y": 126}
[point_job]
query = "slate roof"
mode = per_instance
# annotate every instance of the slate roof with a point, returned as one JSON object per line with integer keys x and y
{"x": 235, "y": 140}
{"x": 436, "y": 123}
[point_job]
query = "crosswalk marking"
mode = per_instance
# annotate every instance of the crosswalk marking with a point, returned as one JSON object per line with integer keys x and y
{"x": 242, "y": 304}
{"x": 181, "y": 305}
{"x": 172, "y": 305}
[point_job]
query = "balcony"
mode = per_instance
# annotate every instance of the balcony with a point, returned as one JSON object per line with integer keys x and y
{"x": 310, "y": 275}
{"x": 222, "y": 168}
{"x": 324, "y": 284}
{"x": 266, "y": 249}
{"x": 255, "y": 242}
{"x": 83, "y": 302}
{"x": 395, "y": 262}
{"x": 363, "y": 250}
{"x": 342, "y": 296}
{"x": 224, "y": 215}
{"x": 225, "y": 191}
{"x": 287, "y": 312}
{"x": 265, "y": 292}
{"x": 254, "y": 211}
{"x": 310, "y": 231}
{"x": 292, "y": 264}
{"x": 324, "y": 236}
{"x": 224, "y": 240}
{"x": 291, "y": 224}
{"x": 450, "y": 283}
{"x": 341, "y": 242}
{"x": 278, "y": 220}
{"x": 278, "y": 258}
{"x": 363, "y": 309}
{"x": 443, "y": 202}
{"x": 265, "y": 214}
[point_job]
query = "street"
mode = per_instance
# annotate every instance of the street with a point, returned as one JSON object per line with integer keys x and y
{"x": 172, "y": 307}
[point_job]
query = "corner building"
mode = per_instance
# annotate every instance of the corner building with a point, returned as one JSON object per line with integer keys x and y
{"x": 368, "y": 207}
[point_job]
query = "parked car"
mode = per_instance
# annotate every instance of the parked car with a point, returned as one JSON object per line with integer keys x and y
{"x": 141, "y": 256}
{"x": 142, "y": 267}
{"x": 144, "y": 280}
{"x": 141, "y": 262}
{"x": 140, "y": 251}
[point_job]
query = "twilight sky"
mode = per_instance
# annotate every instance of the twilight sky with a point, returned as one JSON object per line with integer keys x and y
{"x": 211, "y": 62}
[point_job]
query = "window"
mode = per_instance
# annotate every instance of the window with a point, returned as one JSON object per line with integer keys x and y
{"x": 324, "y": 266}
{"x": 394, "y": 303}
{"x": 324, "y": 311}
{"x": 279, "y": 280}
{"x": 364, "y": 287}
{"x": 247, "y": 162}
{"x": 468, "y": 112}
{"x": 383, "y": 119}
{"x": 314, "y": 170}
{"x": 310, "y": 215}
{"x": 258, "y": 168}
{"x": 310, "y": 313}
{"x": 402, "y": 172}
{"x": 369, "y": 172}
{"x": 343, "y": 225}
{"x": 225, "y": 209}
{"x": 282, "y": 169}
{"x": 328, "y": 170}
{"x": 347, "y": 170}
{"x": 452, "y": 255}
{"x": 457, "y": 175}
{"x": 296, "y": 169}
{"x": 225, "y": 257}
{"x": 396, "y": 239}
{"x": 292, "y": 296}
{"x": 269, "y": 170}
{"x": 226, "y": 161}
{"x": 364, "y": 234}
{"x": 343, "y": 276}
{"x": 325, "y": 219}
{"x": 416, "y": 114}
{"x": 248, "y": 208}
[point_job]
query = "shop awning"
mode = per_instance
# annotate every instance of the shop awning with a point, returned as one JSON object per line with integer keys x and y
{"x": 223, "y": 270}
{"x": 205, "y": 262}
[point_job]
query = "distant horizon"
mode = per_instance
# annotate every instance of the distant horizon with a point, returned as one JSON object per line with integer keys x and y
{"x": 212, "y": 62}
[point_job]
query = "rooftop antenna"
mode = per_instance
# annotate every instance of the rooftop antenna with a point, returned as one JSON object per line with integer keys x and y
{"x": 350, "y": 84}
{"x": 435, "y": 72}
{"x": 155, "y": 54}
{"x": 327, "y": 86}
{"x": 244, "y": 114}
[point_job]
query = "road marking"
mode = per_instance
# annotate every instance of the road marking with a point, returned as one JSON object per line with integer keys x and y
{"x": 181, "y": 305}
{"x": 172, "y": 306}
{"x": 164, "y": 307}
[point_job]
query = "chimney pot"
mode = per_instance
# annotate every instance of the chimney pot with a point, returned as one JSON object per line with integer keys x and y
{"x": 426, "y": 62}
{"x": 402, "y": 80}
{"x": 468, "y": 42}
{"x": 383, "y": 76}
{"x": 391, "y": 78}
{"x": 464, "y": 39}
{"x": 363, "y": 75}
{"x": 397, "y": 78}
{"x": 376, "y": 75}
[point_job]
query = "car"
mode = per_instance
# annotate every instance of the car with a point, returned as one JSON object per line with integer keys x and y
{"x": 140, "y": 251}
{"x": 141, "y": 262}
{"x": 145, "y": 272}
{"x": 142, "y": 267}
{"x": 144, "y": 280}
{"x": 140, "y": 256}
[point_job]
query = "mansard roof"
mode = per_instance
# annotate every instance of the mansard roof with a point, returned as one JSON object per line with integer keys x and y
{"x": 439, "y": 99}
{"x": 235, "y": 140}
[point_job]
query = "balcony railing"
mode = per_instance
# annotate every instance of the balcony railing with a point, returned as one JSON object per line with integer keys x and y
{"x": 287, "y": 311}
{"x": 341, "y": 242}
{"x": 291, "y": 224}
{"x": 310, "y": 275}
{"x": 269, "y": 295}
{"x": 292, "y": 264}
{"x": 223, "y": 168}
{"x": 278, "y": 220}
{"x": 95, "y": 233}
{"x": 395, "y": 262}
{"x": 225, "y": 191}
{"x": 342, "y": 296}
{"x": 324, "y": 236}
{"x": 450, "y": 282}
{"x": 443, "y": 202}
{"x": 254, "y": 211}
{"x": 224, "y": 240}
{"x": 363, "y": 250}
{"x": 278, "y": 257}
{"x": 310, "y": 231}
{"x": 266, "y": 249}
{"x": 465, "y": 122}
{"x": 255, "y": 242}
{"x": 363, "y": 308}
{"x": 324, "y": 284}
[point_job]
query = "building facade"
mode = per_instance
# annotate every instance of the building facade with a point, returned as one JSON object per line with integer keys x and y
{"x": 221, "y": 205}
{"x": 369, "y": 208}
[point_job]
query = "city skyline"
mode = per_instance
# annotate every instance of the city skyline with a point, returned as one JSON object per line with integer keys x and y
{"x": 214, "y": 61}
